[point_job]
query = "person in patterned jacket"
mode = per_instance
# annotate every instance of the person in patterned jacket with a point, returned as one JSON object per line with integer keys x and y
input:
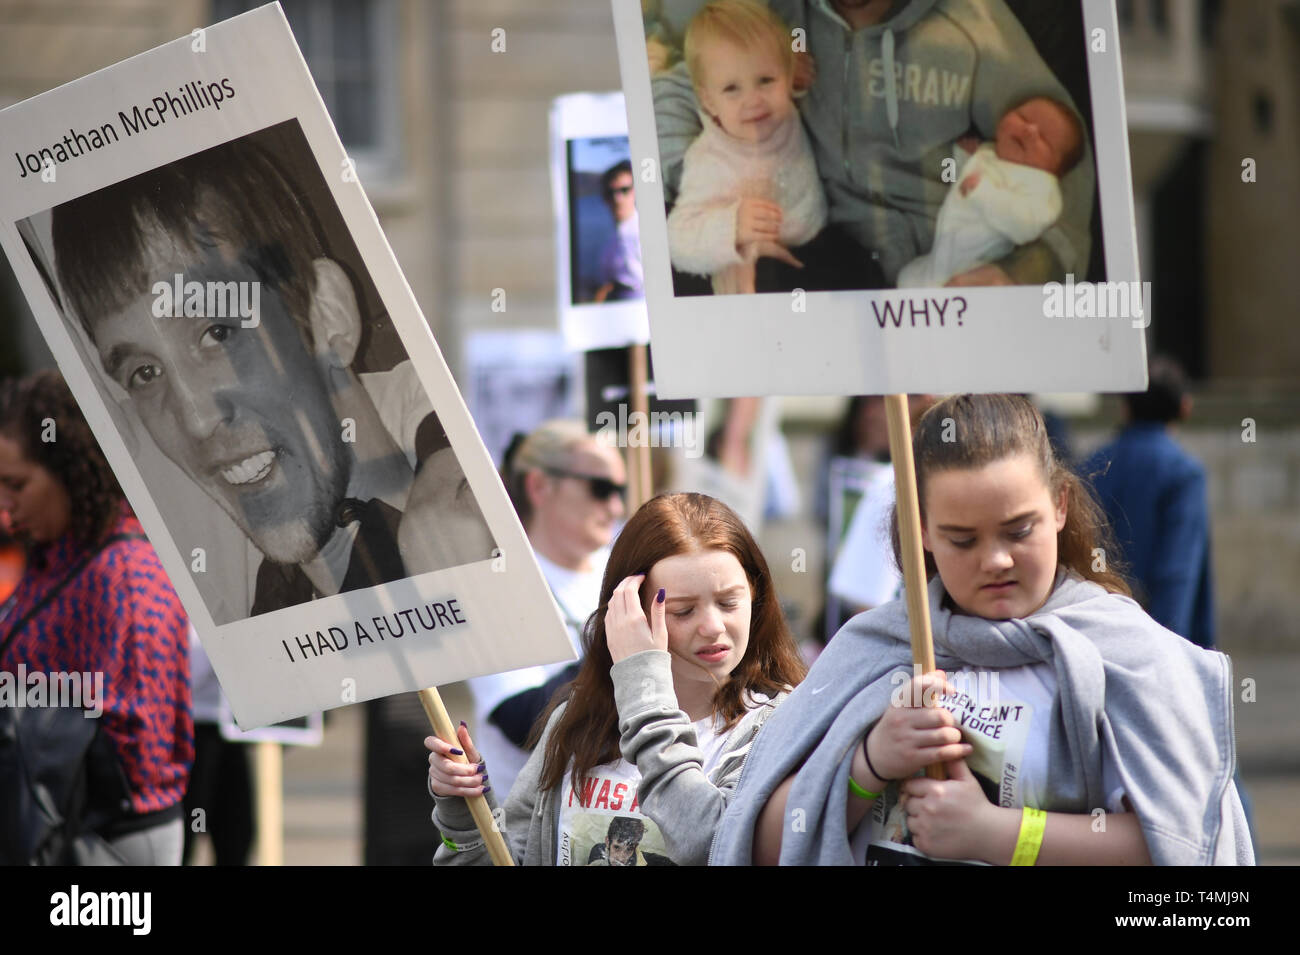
{"x": 94, "y": 601}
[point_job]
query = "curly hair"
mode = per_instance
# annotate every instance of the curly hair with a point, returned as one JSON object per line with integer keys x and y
{"x": 28, "y": 408}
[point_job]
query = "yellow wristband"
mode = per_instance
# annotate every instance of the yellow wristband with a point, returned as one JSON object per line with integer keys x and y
{"x": 860, "y": 792}
{"x": 1030, "y": 840}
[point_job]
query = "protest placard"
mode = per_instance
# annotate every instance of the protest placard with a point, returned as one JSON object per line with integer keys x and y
{"x": 216, "y": 288}
{"x": 515, "y": 379}
{"x": 923, "y": 162}
{"x": 598, "y": 247}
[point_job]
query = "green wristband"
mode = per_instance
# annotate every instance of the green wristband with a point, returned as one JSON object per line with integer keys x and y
{"x": 455, "y": 848}
{"x": 860, "y": 792}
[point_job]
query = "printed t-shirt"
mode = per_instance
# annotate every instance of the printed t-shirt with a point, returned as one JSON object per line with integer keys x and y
{"x": 604, "y": 825}
{"x": 1005, "y": 715}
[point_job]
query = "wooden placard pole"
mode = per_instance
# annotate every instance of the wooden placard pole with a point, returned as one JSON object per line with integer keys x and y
{"x": 640, "y": 482}
{"x": 909, "y": 533}
{"x": 639, "y": 491}
{"x": 478, "y": 805}
{"x": 268, "y": 759}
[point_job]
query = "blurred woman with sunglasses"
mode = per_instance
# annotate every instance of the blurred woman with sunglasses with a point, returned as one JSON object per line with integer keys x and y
{"x": 567, "y": 487}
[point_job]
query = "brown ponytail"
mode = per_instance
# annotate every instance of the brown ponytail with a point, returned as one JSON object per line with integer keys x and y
{"x": 965, "y": 432}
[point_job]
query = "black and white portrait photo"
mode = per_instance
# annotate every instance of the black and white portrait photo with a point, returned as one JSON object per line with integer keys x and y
{"x": 225, "y": 309}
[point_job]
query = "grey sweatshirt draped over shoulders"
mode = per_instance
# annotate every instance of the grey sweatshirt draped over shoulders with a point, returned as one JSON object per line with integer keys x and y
{"x": 1130, "y": 693}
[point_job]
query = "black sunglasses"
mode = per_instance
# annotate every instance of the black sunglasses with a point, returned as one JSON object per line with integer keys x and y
{"x": 602, "y": 489}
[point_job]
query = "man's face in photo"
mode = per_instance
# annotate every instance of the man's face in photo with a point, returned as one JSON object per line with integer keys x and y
{"x": 246, "y": 412}
{"x": 621, "y": 198}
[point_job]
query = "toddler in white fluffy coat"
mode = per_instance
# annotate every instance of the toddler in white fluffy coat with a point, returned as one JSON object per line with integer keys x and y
{"x": 749, "y": 185}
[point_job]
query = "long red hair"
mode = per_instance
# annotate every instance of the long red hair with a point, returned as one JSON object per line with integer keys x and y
{"x": 668, "y": 525}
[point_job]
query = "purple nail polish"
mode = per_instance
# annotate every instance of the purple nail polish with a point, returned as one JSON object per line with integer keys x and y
{"x": 486, "y": 790}
{"x": 456, "y": 752}
{"x": 482, "y": 767}
{"x": 659, "y": 598}
{"x": 462, "y": 723}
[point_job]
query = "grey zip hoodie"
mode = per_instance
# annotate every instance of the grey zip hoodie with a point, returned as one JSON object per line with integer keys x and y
{"x": 888, "y": 103}
{"x": 657, "y": 738}
{"x": 1130, "y": 693}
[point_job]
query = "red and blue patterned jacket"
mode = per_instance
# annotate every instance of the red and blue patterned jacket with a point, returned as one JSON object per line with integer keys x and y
{"x": 120, "y": 617}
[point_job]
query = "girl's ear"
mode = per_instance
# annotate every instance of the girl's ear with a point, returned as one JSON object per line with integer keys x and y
{"x": 1062, "y": 506}
{"x": 925, "y": 537}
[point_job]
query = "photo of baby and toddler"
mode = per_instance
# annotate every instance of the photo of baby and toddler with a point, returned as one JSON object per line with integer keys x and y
{"x": 862, "y": 144}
